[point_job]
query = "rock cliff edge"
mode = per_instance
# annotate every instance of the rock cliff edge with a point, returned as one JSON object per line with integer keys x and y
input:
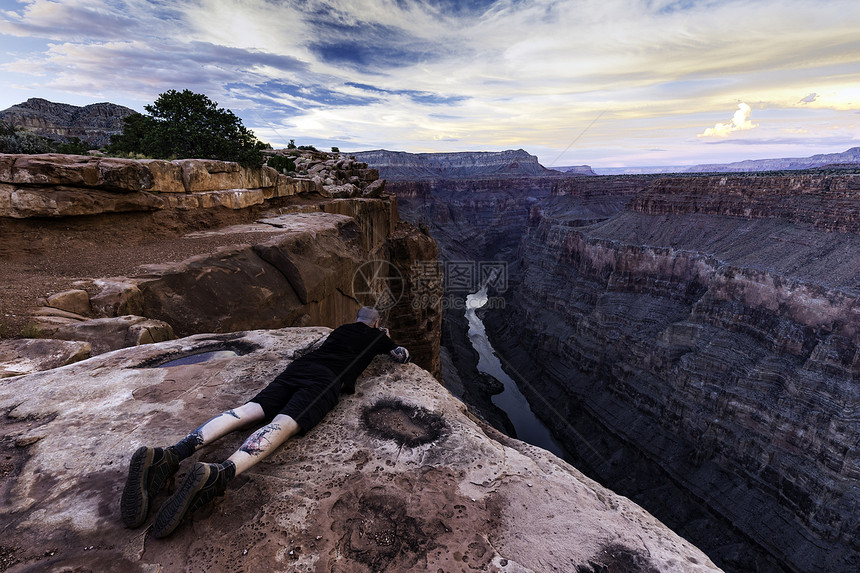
{"x": 397, "y": 478}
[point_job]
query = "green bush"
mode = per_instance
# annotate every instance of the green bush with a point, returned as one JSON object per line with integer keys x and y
{"x": 281, "y": 163}
{"x": 16, "y": 140}
{"x": 185, "y": 125}
{"x": 73, "y": 146}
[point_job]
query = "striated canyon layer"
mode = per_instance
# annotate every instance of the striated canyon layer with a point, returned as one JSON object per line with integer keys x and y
{"x": 712, "y": 325}
{"x": 691, "y": 339}
{"x": 395, "y": 165}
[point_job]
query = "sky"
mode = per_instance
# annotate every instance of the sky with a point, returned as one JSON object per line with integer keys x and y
{"x": 608, "y": 83}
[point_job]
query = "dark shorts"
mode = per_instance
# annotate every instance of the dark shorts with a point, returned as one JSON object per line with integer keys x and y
{"x": 304, "y": 391}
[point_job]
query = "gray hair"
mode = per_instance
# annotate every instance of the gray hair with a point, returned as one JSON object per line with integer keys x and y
{"x": 368, "y": 315}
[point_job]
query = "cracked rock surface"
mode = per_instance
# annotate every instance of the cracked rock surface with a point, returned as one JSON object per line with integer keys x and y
{"x": 398, "y": 477}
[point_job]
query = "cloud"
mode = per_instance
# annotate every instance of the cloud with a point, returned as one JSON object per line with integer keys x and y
{"x": 740, "y": 122}
{"x": 69, "y": 19}
{"x": 452, "y": 75}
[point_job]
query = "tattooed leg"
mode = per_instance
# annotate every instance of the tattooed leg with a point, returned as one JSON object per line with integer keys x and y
{"x": 263, "y": 442}
{"x": 219, "y": 426}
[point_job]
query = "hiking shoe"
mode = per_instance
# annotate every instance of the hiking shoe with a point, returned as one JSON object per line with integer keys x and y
{"x": 150, "y": 469}
{"x": 203, "y": 483}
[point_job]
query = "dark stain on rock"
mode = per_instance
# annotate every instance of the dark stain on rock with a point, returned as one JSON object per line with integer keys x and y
{"x": 212, "y": 344}
{"x": 410, "y": 426}
{"x": 381, "y": 535}
{"x": 615, "y": 558}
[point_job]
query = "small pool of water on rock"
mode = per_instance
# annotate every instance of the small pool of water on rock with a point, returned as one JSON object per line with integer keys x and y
{"x": 201, "y": 357}
{"x": 528, "y": 427}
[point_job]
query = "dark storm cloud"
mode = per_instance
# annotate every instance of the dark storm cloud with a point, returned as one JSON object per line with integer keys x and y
{"x": 372, "y": 47}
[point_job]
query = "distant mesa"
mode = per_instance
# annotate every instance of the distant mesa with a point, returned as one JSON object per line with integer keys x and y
{"x": 846, "y": 160}
{"x": 93, "y": 124}
{"x": 400, "y": 165}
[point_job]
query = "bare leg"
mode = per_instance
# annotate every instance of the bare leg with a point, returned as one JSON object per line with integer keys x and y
{"x": 263, "y": 442}
{"x": 219, "y": 426}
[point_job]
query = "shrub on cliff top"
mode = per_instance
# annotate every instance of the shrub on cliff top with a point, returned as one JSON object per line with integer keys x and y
{"x": 185, "y": 125}
{"x": 281, "y": 163}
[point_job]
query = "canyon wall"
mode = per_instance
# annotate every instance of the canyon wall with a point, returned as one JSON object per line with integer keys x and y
{"x": 691, "y": 339}
{"x": 711, "y": 327}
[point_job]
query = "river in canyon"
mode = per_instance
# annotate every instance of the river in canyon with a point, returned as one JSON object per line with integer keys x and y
{"x": 528, "y": 427}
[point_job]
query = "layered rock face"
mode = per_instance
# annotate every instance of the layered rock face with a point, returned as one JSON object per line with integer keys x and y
{"x": 93, "y": 123}
{"x": 484, "y": 218}
{"x": 303, "y": 249}
{"x": 709, "y": 332}
{"x": 399, "y": 165}
{"x": 398, "y": 477}
{"x": 56, "y": 185}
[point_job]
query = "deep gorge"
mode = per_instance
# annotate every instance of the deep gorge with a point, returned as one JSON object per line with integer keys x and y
{"x": 694, "y": 338}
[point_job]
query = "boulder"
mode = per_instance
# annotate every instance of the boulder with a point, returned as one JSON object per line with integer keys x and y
{"x": 305, "y": 266}
{"x": 317, "y": 253}
{"x": 374, "y": 189}
{"x": 398, "y": 477}
{"x": 341, "y": 191}
{"x": 116, "y": 297}
{"x": 76, "y": 301}
{"x": 230, "y": 289}
{"x": 106, "y": 334}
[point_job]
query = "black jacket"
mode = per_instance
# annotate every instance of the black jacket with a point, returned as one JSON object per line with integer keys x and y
{"x": 348, "y": 350}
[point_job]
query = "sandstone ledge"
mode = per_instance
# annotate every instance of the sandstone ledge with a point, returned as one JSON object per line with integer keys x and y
{"x": 57, "y": 185}
{"x": 355, "y": 494}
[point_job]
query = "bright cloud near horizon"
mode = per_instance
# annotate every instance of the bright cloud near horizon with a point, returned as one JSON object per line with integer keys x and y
{"x": 740, "y": 122}
{"x": 600, "y": 82}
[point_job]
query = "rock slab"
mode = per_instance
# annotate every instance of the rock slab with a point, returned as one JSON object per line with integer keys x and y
{"x": 397, "y": 478}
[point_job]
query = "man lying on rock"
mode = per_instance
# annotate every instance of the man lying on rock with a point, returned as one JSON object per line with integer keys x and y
{"x": 294, "y": 402}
